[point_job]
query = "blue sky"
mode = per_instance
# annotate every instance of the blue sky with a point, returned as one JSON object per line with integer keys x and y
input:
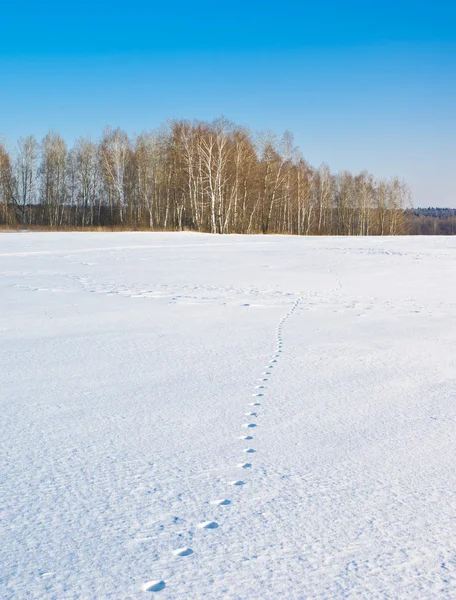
{"x": 362, "y": 85}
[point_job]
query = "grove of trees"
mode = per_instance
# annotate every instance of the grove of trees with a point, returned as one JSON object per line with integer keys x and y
{"x": 212, "y": 177}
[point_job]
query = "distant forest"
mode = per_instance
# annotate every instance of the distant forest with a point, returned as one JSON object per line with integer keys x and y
{"x": 211, "y": 177}
{"x": 431, "y": 221}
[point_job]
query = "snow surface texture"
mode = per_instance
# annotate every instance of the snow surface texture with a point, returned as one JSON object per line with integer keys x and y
{"x": 191, "y": 416}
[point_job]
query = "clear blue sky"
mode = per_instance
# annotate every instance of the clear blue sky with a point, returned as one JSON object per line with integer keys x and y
{"x": 362, "y": 85}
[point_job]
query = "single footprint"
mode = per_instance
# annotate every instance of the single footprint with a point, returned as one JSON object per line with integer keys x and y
{"x": 239, "y": 482}
{"x": 154, "y": 586}
{"x": 208, "y": 525}
{"x": 263, "y": 379}
{"x": 260, "y": 387}
{"x": 258, "y": 395}
{"x": 254, "y": 404}
{"x": 183, "y": 552}
{"x": 251, "y": 414}
{"x": 249, "y": 425}
{"x": 245, "y": 465}
{"x": 246, "y": 437}
{"x": 249, "y": 450}
{"x": 223, "y": 502}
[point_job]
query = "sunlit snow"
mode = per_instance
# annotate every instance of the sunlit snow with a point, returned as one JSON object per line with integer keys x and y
{"x": 191, "y": 416}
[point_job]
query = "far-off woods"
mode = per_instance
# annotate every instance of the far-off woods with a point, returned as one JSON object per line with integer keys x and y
{"x": 211, "y": 177}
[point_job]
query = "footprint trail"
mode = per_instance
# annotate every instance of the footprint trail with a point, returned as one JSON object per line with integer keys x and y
{"x": 212, "y": 525}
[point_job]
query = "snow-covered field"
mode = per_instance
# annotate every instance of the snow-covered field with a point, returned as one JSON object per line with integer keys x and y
{"x": 237, "y": 417}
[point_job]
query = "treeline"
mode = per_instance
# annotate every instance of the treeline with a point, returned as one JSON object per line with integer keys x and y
{"x": 431, "y": 221}
{"x": 212, "y": 177}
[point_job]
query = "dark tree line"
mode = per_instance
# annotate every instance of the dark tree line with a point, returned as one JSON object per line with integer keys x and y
{"x": 431, "y": 221}
{"x": 214, "y": 177}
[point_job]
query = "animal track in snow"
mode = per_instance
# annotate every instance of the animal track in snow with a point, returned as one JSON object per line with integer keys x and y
{"x": 208, "y": 525}
{"x": 154, "y": 586}
{"x": 183, "y": 552}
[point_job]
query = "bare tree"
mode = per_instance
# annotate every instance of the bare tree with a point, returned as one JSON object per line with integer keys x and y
{"x": 53, "y": 178}
{"x": 114, "y": 153}
{"x": 7, "y": 183}
{"x": 88, "y": 180}
{"x": 27, "y": 176}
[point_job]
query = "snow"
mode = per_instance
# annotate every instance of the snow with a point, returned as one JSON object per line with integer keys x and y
{"x": 192, "y": 416}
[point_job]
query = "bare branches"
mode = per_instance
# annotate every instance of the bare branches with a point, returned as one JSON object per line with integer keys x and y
{"x": 215, "y": 177}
